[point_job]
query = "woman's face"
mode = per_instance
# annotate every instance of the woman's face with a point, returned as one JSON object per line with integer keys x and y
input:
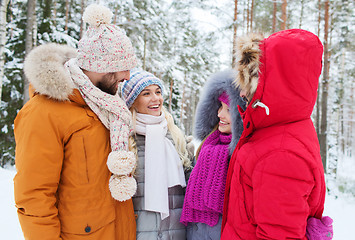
{"x": 149, "y": 101}
{"x": 224, "y": 125}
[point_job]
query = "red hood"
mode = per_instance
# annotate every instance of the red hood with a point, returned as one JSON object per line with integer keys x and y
{"x": 290, "y": 65}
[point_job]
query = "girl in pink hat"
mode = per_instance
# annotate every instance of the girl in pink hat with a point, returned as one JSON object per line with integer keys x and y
{"x": 219, "y": 126}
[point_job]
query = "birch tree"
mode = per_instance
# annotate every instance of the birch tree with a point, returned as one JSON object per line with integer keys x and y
{"x": 235, "y": 25}
{"x": 325, "y": 82}
{"x": 317, "y": 115}
{"x": 82, "y": 7}
{"x": 31, "y": 19}
{"x": 302, "y": 14}
{"x": 251, "y": 15}
{"x": 3, "y": 10}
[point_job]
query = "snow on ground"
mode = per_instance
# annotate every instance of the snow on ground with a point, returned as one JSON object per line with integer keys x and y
{"x": 9, "y": 225}
{"x": 342, "y": 210}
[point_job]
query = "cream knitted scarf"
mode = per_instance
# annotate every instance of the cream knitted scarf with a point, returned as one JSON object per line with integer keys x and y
{"x": 114, "y": 114}
{"x": 162, "y": 165}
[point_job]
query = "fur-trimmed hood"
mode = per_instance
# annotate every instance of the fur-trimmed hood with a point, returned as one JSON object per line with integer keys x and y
{"x": 282, "y": 71}
{"x": 44, "y": 69}
{"x": 248, "y": 55}
{"x": 207, "y": 109}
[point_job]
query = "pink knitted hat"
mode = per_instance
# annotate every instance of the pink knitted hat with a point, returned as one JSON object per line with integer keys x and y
{"x": 105, "y": 47}
{"x": 224, "y": 98}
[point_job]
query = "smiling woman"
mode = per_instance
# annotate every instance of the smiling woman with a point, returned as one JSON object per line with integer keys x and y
{"x": 162, "y": 159}
{"x": 149, "y": 101}
{"x": 224, "y": 125}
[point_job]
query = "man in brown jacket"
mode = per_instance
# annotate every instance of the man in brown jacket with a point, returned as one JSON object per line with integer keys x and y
{"x": 65, "y": 136}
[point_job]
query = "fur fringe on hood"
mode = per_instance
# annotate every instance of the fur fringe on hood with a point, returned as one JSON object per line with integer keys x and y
{"x": 248, "y": 52}
{"x": 207, "y": 109}
{"x": 44, "y": 68}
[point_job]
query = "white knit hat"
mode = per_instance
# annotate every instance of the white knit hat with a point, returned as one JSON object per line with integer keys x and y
{"x": 105, "y": 47}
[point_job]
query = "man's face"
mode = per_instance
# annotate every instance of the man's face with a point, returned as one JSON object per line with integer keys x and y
{"x": 108, "y": 82}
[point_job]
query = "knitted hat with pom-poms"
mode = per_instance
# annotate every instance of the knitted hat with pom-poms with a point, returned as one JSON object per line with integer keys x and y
{"x": 105, "y": 47}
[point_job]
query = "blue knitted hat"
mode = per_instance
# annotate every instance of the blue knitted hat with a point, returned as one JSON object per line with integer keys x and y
{"x": 137, "y": 82}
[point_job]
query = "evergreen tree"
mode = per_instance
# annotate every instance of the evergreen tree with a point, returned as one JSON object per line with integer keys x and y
{"x": 13, "y": 83}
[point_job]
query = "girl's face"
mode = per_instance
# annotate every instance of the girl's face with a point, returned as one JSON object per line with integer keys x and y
{"x": 149, "y": 101}
{"x": 224, "y": 125}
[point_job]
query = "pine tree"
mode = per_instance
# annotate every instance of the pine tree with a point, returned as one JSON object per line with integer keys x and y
{"x": 14, "y": 88}
{"x": 13, "y": 84}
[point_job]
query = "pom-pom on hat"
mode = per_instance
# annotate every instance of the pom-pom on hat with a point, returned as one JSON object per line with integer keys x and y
{"x": 138, "y": 81}
{"x": 105, "y": 47}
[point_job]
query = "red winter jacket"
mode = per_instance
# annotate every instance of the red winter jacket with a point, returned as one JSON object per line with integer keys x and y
{"x": 275, "y": 179}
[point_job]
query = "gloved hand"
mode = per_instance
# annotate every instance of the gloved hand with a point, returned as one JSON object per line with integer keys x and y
{"x": 319, "y": 229}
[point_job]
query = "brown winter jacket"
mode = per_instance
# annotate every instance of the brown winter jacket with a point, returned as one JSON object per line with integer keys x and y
{"x": 61, "y": 185}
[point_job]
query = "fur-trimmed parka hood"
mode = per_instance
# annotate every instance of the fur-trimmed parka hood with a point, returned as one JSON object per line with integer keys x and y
{"x": 282, "y": 71}
{"x": 44, "y": 69}
{"x": 248, "y": 56}
{"x": 207, "y": 109}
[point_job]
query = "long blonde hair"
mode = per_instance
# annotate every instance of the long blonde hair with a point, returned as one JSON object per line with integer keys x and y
{"x": 176, "y": 134}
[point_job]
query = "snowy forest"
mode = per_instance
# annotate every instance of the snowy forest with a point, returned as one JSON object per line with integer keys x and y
{"x": 183, "y": 43}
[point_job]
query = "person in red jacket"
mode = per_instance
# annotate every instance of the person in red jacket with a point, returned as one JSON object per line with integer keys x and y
{"x": 275, "y": 180}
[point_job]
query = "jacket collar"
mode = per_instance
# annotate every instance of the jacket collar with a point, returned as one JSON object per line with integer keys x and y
{"x": 44, "y": 68}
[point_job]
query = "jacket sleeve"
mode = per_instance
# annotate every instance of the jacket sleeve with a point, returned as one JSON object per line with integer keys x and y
{"x": 282, "y": 183}
{"x": 39, "y": 157}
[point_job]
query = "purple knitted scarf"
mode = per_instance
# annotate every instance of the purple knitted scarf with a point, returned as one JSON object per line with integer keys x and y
{"x": 205, "y": 190}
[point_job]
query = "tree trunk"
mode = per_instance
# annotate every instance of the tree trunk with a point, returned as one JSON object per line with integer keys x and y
{"x": 31, "y": 20}
{"x": 82, "y": 5}
{"x": 234, "y": 50}
{"x": 351, "y": 142}
{"x": 66, "y": 16}
{"x": 182, "y": 106}
{"x": 245, "y": 16}
{"x": 274, "y": 17}
{"x": 54, "y": 15}
{"x": 115, "y": 14}
{"x": 171, "y": 95}
{"x": 284, "y": 14}
{"x": 324, "y": 107}
{"x": 11, "y": 29}
{"x": 3, "y": 10}
{"x": 145, "y": 50}
{"x": 301, "y": 17}
{"x": 251, "y": 15}
{"x": 319, "y": 16}
{"x": 317, "y": 120}
{"x": 341, "y": 133}
{"x": 248, "y": 15}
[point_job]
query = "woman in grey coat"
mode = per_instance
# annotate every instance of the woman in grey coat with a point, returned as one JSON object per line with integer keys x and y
{"x": 163, "y": 160}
